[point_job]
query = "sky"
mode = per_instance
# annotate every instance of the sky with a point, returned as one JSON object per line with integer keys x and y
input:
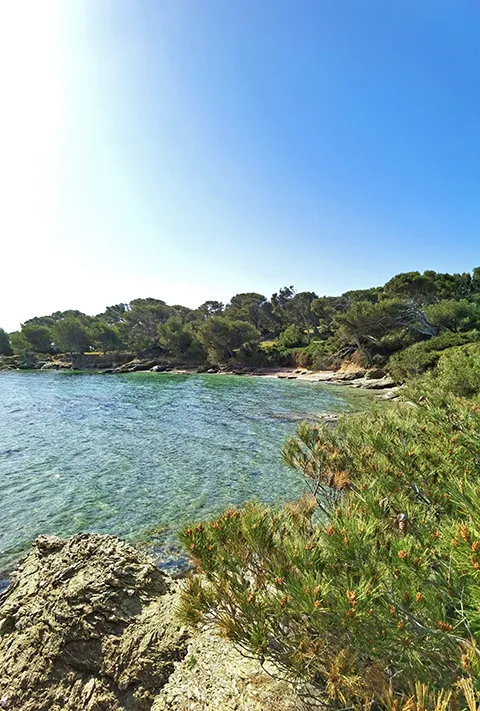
{"x": 193, "y": 149}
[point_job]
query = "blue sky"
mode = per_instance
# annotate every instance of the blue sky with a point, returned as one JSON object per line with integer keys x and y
{"x": 193, "y": 149}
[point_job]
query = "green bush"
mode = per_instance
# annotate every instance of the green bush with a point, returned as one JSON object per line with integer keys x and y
{"x": 370, "y": 584}
{"x": 457, "y": 372}
{"x": 291, "y": 337}
{"x": 272, "y": 354}
{"x": 318, "y": 355}
{"x": 422, "y": 356}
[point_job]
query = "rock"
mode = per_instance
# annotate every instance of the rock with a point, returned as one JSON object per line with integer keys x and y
{"x": 385, "y": 382}
{"x": 375, "y": 374}
{"x": 392, "y": 394}
{"x": 87, "y": 623}
{"x": 329, "y": 418}
{"x": 214, "y": 676}
{"x": 157, "y": 369}
{"x": 346, "y": 376}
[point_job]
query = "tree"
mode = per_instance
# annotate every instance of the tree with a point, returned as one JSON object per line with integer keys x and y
{"x": 420, "y": 288}
{"x": 364, "y": 325}
{"x": 105, "y": 336}
{"x": 19, "y": 343}
{"x": 209, "y": 308}
{"x": 174, "y": 337}
{"x": 39, "y": 337}
{"x": 5, "y": 348}
{"x": 300, "y": 308}
{"x": 224, "y": 339}
{"x": 292, "y": 337}
{"x": 251, "y": 307}
{"x": 71, "y": 335}
{"x": 115, "y": 314}
{"x": 355, "y": 295}
{"x": 183, "y": 312}
{"x": 452, "y": 315}
{"x": 142, "y": 321}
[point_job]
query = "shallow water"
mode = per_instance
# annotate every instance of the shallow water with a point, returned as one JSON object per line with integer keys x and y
{"x": 138, "y": 455}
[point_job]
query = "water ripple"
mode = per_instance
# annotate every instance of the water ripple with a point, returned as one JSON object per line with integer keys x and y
{"x": 127, "y": 453}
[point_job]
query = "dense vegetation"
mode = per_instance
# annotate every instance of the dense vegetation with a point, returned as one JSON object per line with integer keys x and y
{"x": 408, "y": 323}
{"x": 367, "y": 589}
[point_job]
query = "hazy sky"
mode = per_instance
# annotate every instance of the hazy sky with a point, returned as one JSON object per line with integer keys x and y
{"x": 192, "y": 149}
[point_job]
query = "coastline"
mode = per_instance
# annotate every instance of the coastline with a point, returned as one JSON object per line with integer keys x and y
{"x": 376, "y": 380}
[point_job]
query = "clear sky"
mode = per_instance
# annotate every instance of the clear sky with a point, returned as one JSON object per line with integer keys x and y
{"x": 193, "y": 149}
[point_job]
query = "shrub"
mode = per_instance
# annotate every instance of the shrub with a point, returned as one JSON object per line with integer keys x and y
{"x": 422, "y": 356}
{"x": 291, "y": 337}
{"x": 458, "y": 372}
{"x": 274, "y": 354}
{"x": 370, "y": 584}
{"x": 318, "y": 355}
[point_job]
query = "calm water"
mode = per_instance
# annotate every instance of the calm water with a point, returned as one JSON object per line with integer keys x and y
{"x": 137, "y": 455}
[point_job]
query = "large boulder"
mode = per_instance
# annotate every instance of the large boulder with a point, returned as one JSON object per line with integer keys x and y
{"x": 87, "y": 624}
{"x": 380, "y": 384}
{"x": 375, "y": 374}
{"x": 90, "y": 624}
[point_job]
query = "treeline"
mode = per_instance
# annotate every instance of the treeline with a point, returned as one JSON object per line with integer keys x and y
{"x": 407, "y": 322}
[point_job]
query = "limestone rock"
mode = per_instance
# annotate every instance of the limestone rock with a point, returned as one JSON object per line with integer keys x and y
{"x": 86, "y": 623}
{"x": 375, "y": 374}
{"x": 380, "y": 384}
{"x": 214, "y": 676}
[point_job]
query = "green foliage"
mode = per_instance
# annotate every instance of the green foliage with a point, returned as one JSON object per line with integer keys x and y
{"x": 19, "y": 343}
{"x": 422, "y": 356}
{"x": 114, "y": 315}
{"x": 292, "y": 337}
{"x": 5, "y": 348}
{"x": 105, "y": 336}
{"x": 176, "y": 339}
{"x": 275, "y": 354}
{"x": 370, "y": 584}
{"x": 225, "y": 339}
{"x": 457, "y": 372}
{"x": 141, "y": 322}
{"x": 71, "y": 335}
{"x": 253, "y": 308}
{"x": 366, "y": 325}
{"x": 39, "y": 337}
{"x": 417, "y": 287}
{"x": 209, "y": 308}
{"x": 452, "y": 315}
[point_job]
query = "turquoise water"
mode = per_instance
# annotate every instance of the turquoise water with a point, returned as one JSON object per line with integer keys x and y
{"x": 138, "y": 455}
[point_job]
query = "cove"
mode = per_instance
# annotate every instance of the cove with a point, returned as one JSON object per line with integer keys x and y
{"x": 138, "y": 455}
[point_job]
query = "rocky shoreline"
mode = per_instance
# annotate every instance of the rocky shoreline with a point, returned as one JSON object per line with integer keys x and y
{"x": 91, "y": 623}
{"x": 374, "y": 379}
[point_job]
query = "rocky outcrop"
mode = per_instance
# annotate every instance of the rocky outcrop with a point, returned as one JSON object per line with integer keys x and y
{"x": 90, "y": 624}
{"x": 214, "y": 676}
{"x": 86, "y": 624}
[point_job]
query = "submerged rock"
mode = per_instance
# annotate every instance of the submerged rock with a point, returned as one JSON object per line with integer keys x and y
{"x": 86, "y": 623}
